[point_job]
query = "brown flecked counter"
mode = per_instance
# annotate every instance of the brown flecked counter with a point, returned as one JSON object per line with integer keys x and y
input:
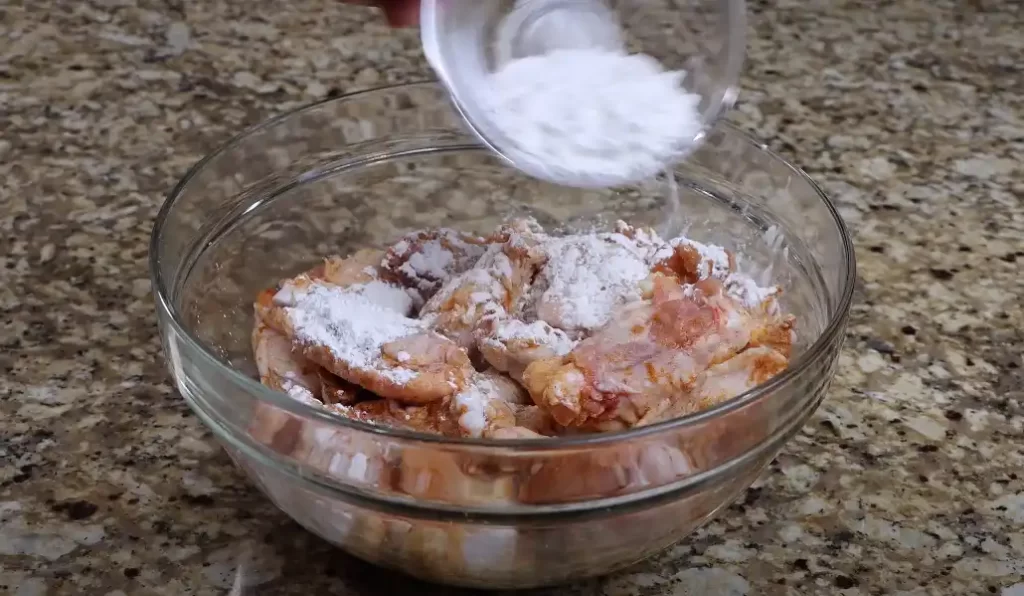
{"x": 907, "y": 481}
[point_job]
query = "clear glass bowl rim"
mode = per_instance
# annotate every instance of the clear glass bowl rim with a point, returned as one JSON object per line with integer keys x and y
{"x": 281, "y": 401}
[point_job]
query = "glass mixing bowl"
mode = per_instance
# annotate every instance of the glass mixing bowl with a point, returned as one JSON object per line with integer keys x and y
{"x": 467, "y": 40}
{"x": 362, "y": 170}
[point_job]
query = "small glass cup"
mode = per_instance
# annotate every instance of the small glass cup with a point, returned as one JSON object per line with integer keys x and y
{"x": 467, "y": 40}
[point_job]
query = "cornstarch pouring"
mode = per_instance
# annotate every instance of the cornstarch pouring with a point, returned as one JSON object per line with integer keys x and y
{"x": 593, "y": 114}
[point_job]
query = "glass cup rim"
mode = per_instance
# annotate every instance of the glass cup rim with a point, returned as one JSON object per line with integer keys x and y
{"x": 302, "y": 411}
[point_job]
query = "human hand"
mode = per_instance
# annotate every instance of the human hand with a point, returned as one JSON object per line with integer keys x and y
{"x": 400, "y": 13}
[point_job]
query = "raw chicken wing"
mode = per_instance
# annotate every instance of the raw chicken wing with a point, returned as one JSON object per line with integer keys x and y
{"x": 650, "y": 354}
{"x": 510, "y": 345}
{"x": 491, "y": 288}
{"x": 426, "y": 260}
{"x": 282, "y": 369}
{"x": 344, "y": 318}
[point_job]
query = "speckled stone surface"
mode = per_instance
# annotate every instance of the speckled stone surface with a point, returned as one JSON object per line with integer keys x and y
{"x": 907, "y": 481}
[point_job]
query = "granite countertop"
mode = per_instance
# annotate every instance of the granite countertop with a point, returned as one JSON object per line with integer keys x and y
{"x": 907, "y": 481}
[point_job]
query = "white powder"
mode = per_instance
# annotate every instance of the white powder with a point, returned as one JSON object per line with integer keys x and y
{"x": 386, "y": 295}
{"x": 428, "y": 260}
{"x": 714, "y": 260}
{"x": 745, "y": 290}
{"x": 348, "y": 322}
{"x": 592, "y": 114}
{"x": 487, "y": 284}
{"x": 433, "y": 262}
{"x": 471, "y": 405}
{"x": 537, "y": 332}
{"x": 481, "y": 402}
{"x": 644, "y": 240}
{"x": 587, "y": 277}
{"x": 299, "y": 392}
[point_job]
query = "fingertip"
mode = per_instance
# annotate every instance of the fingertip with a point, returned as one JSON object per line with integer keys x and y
{"x": 403, "y": 13}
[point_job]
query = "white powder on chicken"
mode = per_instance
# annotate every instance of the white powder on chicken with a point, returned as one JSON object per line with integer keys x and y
{"x": 433, "y": 262}
{"x": 471, "y": 406}
{"x": 593, "y": 113}
{"x": 587, "y": 278}
{"x": 386, "y": 295}
{"x": 746, "y": 291}
{"x": 714, "y": 260}
{"x": 717, "y": 263}
{"x": 486, "y": 277}
{"x": 349, "y": 322}
{"x": 529, "y": 297}
{"x": 299, "y": 392}
{"x": 428, "y": 262}
{"x": 538, "y": 333}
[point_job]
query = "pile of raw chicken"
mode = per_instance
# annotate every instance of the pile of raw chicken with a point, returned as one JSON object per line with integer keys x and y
{"x": 521, "y": 334}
